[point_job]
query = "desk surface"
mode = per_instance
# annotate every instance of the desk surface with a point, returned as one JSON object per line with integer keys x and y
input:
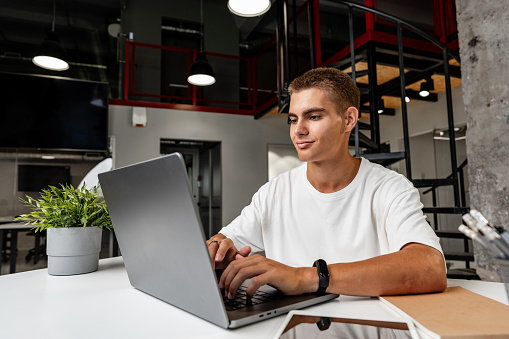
{"x": 15, "y": 226}
{"x": 104, "y": 304}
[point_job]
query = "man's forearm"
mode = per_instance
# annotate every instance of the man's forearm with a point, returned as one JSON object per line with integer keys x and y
{"x": 414, "y": 269}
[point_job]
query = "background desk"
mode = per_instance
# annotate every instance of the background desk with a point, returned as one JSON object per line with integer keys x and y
{"x": 103, "y": 304}
{"x": 14, "y": 228}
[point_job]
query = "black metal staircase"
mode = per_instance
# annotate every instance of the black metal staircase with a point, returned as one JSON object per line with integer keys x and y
{"x": 414, "y": 65}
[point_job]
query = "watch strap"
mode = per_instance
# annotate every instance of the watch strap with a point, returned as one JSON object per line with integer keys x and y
{"x": 323, "y": 275}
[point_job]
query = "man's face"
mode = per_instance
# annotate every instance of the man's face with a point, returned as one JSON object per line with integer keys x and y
{"x": 318, "y": 131}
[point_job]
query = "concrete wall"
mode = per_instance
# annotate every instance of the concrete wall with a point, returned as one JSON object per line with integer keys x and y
{"x": 244, "y": 145}
{"x": 484, "y": 49}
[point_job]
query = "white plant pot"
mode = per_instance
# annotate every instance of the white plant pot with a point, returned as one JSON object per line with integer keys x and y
{"x": 73, "y": 250}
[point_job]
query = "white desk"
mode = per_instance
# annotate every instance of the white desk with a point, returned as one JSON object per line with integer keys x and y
{"x": 103, "y": 304}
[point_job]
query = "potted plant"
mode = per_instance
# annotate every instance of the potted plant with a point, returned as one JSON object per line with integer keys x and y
{"x": 74, "y": 219}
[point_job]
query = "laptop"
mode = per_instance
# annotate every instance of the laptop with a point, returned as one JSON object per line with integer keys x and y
{"x": 163, "y": 245}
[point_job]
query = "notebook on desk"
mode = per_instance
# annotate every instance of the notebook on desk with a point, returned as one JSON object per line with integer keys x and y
{"x": 454, "y": 313}
{"x": 162, "y": 241}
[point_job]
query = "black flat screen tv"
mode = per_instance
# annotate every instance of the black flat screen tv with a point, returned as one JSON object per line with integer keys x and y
{"x": 52, "y": 113}
{"x": 34, "y": 178}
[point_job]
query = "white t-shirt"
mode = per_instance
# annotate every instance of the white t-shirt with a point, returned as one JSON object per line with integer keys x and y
{"x": 377, "y": 213}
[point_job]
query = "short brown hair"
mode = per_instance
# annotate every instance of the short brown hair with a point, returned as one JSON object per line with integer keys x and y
{"x": 340, "y": 87}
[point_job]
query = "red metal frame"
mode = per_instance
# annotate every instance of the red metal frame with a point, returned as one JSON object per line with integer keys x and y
{"x": 183, "y": 107}
{"x": 363, "y": 39}
{"x": 443, "y": 27}
{"x": 193, "y": 93}
{"x": 370, "y": 17}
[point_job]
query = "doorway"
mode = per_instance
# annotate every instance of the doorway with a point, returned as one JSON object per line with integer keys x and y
{"x": 203, "y": 165}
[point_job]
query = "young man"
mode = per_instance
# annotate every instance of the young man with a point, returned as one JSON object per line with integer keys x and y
{"x": 363, "y": 220}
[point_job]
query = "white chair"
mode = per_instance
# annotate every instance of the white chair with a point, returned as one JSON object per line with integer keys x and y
{"x": 91, "y": 179}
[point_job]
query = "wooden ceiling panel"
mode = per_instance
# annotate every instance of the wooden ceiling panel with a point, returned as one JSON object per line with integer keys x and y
{"x": 387, "y": 73}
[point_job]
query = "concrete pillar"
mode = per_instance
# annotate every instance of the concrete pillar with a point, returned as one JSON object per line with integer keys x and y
{"x": 484, "y": 49}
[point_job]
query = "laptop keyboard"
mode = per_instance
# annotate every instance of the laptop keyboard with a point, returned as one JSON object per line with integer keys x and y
{"x": 242, "y": 301}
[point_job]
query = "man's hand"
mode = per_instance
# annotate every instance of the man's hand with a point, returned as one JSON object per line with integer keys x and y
{"x": 263, "y": 271}
{"x": 222, "y": 251}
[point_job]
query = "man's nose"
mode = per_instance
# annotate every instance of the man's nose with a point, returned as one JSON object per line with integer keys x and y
{"x": 300, "y": 128}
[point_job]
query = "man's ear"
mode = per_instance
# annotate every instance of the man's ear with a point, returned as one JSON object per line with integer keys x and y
{"x": 351, "y": 117}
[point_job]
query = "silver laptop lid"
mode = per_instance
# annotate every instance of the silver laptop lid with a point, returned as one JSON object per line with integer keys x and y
{"x": 160, "y": 235}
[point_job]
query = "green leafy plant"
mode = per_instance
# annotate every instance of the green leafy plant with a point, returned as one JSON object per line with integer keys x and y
{"x": 66, "y": 207}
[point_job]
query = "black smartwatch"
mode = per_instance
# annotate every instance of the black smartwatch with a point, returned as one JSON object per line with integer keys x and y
{"x": 323, "y": 275}
{"x": 324, "y": 323}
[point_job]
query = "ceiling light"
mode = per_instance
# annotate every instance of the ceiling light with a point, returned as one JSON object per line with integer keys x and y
{"x": 201, "y": 73}
{"x": 114, "y": 29}
{"x": 50, "y": 54}
{"x": 426, "y": 87}
{"x": 407, "y": 99}
{"x": 248, "y": 8}
{"x": 423, "y": 92}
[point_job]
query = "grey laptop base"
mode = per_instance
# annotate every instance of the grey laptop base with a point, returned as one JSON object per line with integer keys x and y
{"x": 159, "y": 232}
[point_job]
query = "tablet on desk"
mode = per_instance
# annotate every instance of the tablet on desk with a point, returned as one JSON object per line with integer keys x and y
{"x": 305, "y": 324}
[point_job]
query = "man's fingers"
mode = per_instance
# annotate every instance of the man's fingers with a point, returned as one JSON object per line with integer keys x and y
{"x": 224, "y": 246}
{"x": 245, "y": 251}
{"x": 240, "y": 270}
{"x": 255, "y": 284}
{"x": 237, "y": 278}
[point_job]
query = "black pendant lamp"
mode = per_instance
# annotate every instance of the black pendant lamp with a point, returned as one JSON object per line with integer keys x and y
{"x": 50, "y": 54}
{"x": 200, "y": 72}
{"x": 426, "y": 87}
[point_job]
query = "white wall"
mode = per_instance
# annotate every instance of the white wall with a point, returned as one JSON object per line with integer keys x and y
{"x": 244, "y": 144}
{"x": 423, "y": 117}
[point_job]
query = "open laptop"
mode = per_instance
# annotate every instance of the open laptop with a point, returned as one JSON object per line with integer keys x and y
{"x": 163, "y": 244}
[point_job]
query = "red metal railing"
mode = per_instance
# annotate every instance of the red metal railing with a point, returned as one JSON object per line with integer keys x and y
{"x": 257, "y": 92}
{"x": 182, "y": 93}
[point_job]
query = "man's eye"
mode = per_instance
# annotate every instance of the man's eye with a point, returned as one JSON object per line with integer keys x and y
{"x": 314, "y": 117}
{"x": 292, "y": 121}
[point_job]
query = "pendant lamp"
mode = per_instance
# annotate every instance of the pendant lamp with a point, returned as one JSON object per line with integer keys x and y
{"x": 426, "y": 87}
{"x": 248, "y": 8}
{"x": 200, "y": 72}
{"x": 50, "y": 54}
